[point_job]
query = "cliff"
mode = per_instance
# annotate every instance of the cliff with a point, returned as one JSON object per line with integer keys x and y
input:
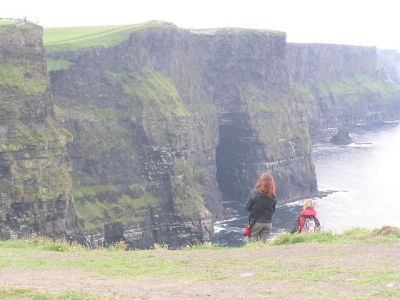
{"x": 389, "y": 60}
{"x": 344, "y": 84}
{"x": 35, "y": 182}
{"x": 163, "y": 124}
{"x": 166, "y": 122}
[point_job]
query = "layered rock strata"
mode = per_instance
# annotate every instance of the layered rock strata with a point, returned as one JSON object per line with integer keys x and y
{"x": 163, "y": 123}
{"x": 35, "y": 181}
{"x": 167, "y": 119}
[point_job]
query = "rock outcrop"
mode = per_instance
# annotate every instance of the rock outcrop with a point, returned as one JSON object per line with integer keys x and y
{"x": 167, "y": 119}
{"x": 342, "y": 137}
{"x": 344, "y": 85}
{"x": 35, "y": 181}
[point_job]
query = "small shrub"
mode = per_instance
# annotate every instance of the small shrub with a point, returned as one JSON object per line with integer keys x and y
{"x": 120, "y": 246}
{"x": 47, "y": 243}
{"x": 387, "y": 230}
{"x": 157, "y": 246}
{"x": 204, "y": 246}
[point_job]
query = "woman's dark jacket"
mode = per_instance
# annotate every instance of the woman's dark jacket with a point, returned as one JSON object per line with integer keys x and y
{"x": 262, "y": 207}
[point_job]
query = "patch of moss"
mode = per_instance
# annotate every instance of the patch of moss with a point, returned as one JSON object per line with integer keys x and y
{"x": 157, "y": 94}
{"x": 139, "y": 184}
{"x": 5, "y": 186}
{"x": 123, "y": 208}
{"x": 187, "y": 200}
{"x": 357, "y": 84}
{"x": 19, "y": 136}
{"x": 58, "y": 64}
{"x": 24, "y": 76}
{"x": 203, "y": 107}
{"x": 145, "y": 201}
{"x": 88, "y": 112}
{"x": 82, "y": 191}
{"x": 54, "y": 181}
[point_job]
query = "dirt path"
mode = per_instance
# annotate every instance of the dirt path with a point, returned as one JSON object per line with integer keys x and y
{"x": 291, "y": 272}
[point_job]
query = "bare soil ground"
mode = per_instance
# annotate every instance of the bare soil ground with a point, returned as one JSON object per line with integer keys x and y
{"x": 300, "y": 271}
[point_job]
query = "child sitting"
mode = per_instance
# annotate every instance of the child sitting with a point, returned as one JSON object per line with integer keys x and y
{"x": 307, "y": 220}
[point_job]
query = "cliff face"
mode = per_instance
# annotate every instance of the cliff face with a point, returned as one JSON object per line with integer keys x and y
{"x": 164, "y": 123}
{"x": 343, "y": 84}
{"x": 35, "y": 184}
{"x": 390, "y": 61}
{"x": 167, "y": 119}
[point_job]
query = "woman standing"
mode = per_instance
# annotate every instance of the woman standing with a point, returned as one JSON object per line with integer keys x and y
{"x": 261, "y": 203}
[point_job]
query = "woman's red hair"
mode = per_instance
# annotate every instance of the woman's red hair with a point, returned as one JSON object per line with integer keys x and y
{"x": 266, "y": 185}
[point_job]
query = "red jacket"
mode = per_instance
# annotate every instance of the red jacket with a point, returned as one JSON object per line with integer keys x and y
{"x": 306, "y": 213}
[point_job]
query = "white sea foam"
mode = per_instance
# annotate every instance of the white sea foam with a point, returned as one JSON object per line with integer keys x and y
{"x": 295, "y": 203}
{"x": 360, "y": 145}
{"x": 226, "y": 221}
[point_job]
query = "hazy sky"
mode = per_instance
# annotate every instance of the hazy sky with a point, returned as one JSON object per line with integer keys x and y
{"x": 357, "y": 22}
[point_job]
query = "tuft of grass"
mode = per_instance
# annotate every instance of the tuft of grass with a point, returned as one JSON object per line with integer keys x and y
{"x": 120, "y": 246}
{"x": 23, "y": 76}
{"x": 58, "y": 64}
{"x": 204, "y": 246}
{"x": 157, "y": 93}
{"x": 355, "y": 235}
{"x": 317, "y": 237}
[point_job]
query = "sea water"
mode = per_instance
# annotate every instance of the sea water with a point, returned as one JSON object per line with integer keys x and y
{"x": 364, "y": 176}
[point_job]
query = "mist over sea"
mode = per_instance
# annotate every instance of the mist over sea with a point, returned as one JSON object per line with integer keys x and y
{"x": 365, "y": 176}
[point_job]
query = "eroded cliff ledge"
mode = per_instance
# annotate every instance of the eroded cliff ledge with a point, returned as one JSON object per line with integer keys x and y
{"x": 35, "y": 181}
{"x": 166, "y": 119}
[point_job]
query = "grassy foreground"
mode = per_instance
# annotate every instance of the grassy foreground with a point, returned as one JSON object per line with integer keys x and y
{"x": 31, "y": 294}
{"x": 358, "y": 264}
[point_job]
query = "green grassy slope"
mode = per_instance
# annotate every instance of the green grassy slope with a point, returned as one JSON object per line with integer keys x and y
{"x": 73, "y": 38}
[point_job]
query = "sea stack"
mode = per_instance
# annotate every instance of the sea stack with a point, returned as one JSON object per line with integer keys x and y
{"x": 342, "y": 137}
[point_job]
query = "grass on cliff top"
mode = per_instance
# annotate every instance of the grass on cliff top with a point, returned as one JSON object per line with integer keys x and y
{"x": 5, "y": 22}
{"x": 74, "y": 38}
{"x": 235, "y": 30}
{"x": 355, "y": 235}
{"x": 328, "y": 268}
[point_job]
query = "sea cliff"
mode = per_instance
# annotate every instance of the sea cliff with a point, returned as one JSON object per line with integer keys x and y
{"x": 35, "y": 181}
{"x": 140, "y": 132}
{"x": 345, "y": 85}
{"x": 168, "y": 121}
